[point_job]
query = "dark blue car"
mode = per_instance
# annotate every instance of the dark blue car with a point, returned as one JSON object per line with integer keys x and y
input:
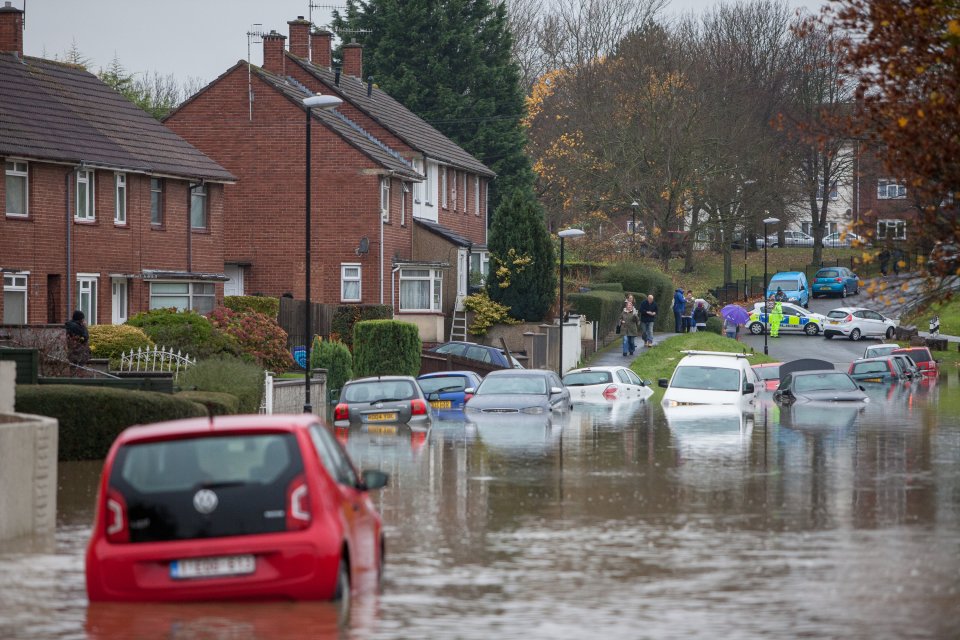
{"x": 445, "y": 389}
{"x": 481, "y": 352}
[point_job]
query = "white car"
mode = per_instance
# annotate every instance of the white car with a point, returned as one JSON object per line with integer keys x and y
{"x": 791, "y": 239}
{"x": 878, "y": 350}
{"x": 856, "y": 323}
{"x": 605, "y": 385}
{"x": 711, "y": 377}
{"x": 795, "y": 319}
{"x": 835, "y": 240}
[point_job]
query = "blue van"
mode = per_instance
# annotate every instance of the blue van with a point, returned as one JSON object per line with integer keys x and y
{"x": 794, "y": 286}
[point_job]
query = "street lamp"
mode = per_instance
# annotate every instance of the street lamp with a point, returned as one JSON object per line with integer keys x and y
{"x": 311, "y": 103}
{"x": 633, "y": 228}
{"x": 766, "y": 316}
{"x": 566, "y": 233}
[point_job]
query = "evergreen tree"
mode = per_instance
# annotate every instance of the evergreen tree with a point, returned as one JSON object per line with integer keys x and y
{"x": 522, "y": 260}
{"x": 449, "y": 61}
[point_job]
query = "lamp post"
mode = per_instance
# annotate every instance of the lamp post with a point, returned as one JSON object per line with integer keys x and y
{"x": 566, "y": 233}
{"x": 633, "y": 228}
{"x": 766, "y": 315}
{"x": 310, "y": 103}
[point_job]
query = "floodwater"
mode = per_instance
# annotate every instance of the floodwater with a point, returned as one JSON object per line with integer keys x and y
{"x": 625, "y": 522}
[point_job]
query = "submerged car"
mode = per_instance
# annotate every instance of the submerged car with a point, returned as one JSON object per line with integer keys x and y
{"x": 232, "y": 508}
{"x": 530, "y": 392}
{"x": 856, "y": 323}
{"x": 383, "y": 400}
{"x": 769, "y": 374}
{"x": 446, "y": 390}
{"x": 605, "y": 385}
{"x": 818, "y": 386}
{"x": 838, "y": 281}
{"x": 710, "y": 377}
{"x": 924, "y": 360}
{"x": 877, "y": 350}
{"x": 796, "y": 319}
{"x": 880, "y": 369}
{"x": 478, "y": 352}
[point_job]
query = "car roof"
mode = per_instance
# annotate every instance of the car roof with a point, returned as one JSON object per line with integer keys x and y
{"x": 849, "y": 309}
{"x": 445, "y": 374}
{"x": 381, "y": 379}
{"x": 519, "y": 372}
{"x": 601, "y": 368}
{"x": 873, "y": 359}
{"x": 788, "y": 274}
{"x": 718, "y": 362}
{"x": 192, "y": 427}
{"x": 907, "y": 350}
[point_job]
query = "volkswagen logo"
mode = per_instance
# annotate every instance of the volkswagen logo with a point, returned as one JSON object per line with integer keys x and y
{"x": 205, "y": 501}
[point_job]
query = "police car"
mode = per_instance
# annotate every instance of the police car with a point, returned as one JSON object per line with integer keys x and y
{"x": 795, "y": 319}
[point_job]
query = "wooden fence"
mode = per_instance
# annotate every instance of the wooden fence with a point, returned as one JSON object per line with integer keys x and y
{"x": 292, "y": 318}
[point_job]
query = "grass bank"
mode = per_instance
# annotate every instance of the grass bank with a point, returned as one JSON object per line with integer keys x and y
{"x": 949, "y": 359}
{"x": 949, "y": 313}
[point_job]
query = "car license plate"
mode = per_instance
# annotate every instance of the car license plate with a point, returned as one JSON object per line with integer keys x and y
{"x": 824, "y": 287}
{"x": 386, "y": 429}
{"x": 440, "y": 404}
{"x": 381, "y": 417}
{"x": 872, "y": 380}
{"x": 833, "y": 321}
{"x": 212, "y": 567}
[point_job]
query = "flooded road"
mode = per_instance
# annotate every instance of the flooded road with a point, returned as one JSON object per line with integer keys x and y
{"x": 623, "y": 522}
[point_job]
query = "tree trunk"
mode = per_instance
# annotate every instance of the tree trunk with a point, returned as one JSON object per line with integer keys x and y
{"x": 689, "y": 256}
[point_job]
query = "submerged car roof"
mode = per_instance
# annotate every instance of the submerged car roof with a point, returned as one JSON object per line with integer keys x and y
{"x": 718, "y": 359}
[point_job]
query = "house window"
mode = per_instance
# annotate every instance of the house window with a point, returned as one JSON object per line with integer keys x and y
{"x": 350, "y": 282}
{"x": 418, "y": 186}
{"x": 198, "y": 207}
{"x": 479, "y": 267}
{"x": 385, "y": 199}
{"x": 889, "y": 189}
{"x": 120, "y": 190}
{"x": 87, "y": 295}
{"x": 891, "y": 230}
{"x": 404, "y": 190}
{"x": 833, "y": 191}
{"x": 443, "y": 187}
{"x": 431, "y": 196}
{"x": 454, "y": 196}
{"x": 156, "y": 201}
{"x": 196, "y": 296}
{"x": 17, "y": 181}
{"x": 476, "y": 195}
{"x": 466, "y": 194}
{"x": 14, "y": 298}
{"x": 86, "y": 201}
{"x": 420, "y": 289}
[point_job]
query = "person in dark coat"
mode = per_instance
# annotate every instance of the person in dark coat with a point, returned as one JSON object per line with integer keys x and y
{"x": 629, "y": 327}
{"x": 78, "y": 339}
{"x": 679, "y": 302}
{"x": 688, "y": 312}
{"x": 648, "y": 315}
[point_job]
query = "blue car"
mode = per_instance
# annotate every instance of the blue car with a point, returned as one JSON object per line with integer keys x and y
{"x": 838, "y": 281}
{"x": 794, "y": 286}
{"x": 445, "y": 390}
{"x": 481, "y": 352}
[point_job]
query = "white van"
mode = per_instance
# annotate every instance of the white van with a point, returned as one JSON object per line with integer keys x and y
{"x": 711, "y": 377}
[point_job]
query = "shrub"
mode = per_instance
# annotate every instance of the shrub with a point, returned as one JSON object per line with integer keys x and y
{"x": 645, "y": 280}
{"x": 110, "y": 340}
{"x": 257, "y": 335}
{"x": 216, "y": 402}
{"x": 486, "y": 313}
{"x": 335, "y": 357}
{"x": 347, "y": 315}
{"x": 386, "y": 348}
{"x": 269, "y": 307}
{"x": 715, "y": 325}
{"x": 92, "y": 417}
{"x": 602, "y": 307}
{"x": 184, "y": 331}
{"x": 606, "y": 286}
{"x": 227, "y": 374}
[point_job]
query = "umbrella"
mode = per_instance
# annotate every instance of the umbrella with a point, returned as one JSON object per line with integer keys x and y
{"x": 735, "y": 314}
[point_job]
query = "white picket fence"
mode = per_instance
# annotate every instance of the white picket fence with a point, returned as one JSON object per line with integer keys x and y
{"x": 155, "y": 359}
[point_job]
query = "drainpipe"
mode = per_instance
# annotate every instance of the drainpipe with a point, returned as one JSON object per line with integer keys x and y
{"x": 393, "y": 280}
{"x": 381, "y": 251}
{"x": 69, "y": 248}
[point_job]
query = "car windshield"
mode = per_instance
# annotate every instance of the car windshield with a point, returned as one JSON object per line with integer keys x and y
{"x": 377, "y": 390}
{"x": 786, "y": 285}
{"x": 583, "y": 378}
{"x": 513, "y": 385}
{"x": 442, "y": 383}
{"x": 878, "y": 351}
{"x": 870, "y": 367}
{"x": 767, "y": 373}
{"x": 706, "y": 378}
{"x": 837, "y": 314}
{"x": 828, "y": 273}
{"x": 824, "y": 382}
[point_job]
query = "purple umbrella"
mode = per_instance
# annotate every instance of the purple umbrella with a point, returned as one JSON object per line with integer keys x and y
{"x": 735, "y": 314}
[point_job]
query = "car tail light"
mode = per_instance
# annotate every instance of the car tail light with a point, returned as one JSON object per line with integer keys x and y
{"x": 849, "y": 318}
{"x": 466, "y": 397}
{"x": 610, "y": 393}
{"x": 298, "y": 504}
{"x": 838, "y": 279}
{"x": 115, "y": 516}
{"x": 341, "y": 412}
{"x": 418, "y": 407}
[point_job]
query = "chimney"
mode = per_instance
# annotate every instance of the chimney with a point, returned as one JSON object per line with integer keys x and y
{"x": 353, "y": 59}
{"x": 320, "y": 43}
{"x": 11, "y": 29}
{"x": 299, "y": 37}
{"x": 273, "y": 59}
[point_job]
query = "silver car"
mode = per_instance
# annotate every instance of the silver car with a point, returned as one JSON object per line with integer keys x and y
{"x": 381, "y": 402}
{"x": 514, "y": 391}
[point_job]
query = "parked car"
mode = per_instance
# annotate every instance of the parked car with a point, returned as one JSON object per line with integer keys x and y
{"x": 818, "y": 386}
{"x": 876, "y": 350}
{"x": 710, "y": 377}
{"x": 232, "y": 508}
{"x": 794, "y": 286}
{"x": 925, "y": 361}
{"x": 795, "y": 319}
{"x": 835, "y": 280}
{"x": 907, "y": 364}
{"x": 737, "y": 242}
{"x": 844, "y": 239}
{"x": 605, "y": 385}
{"x": 531, "y": 391}
{"x": 791, "y": 239}
{"x": 446, "y": 390}
{"x": 856, "y": 323}
{"x": 769, "y": 374}
{"x": 481, "y": 352}
{"x": 880, "y": 369}
{"x": 382, "y": 403}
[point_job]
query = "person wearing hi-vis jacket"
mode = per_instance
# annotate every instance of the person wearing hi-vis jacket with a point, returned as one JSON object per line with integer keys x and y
{"x": 776, "y": 317}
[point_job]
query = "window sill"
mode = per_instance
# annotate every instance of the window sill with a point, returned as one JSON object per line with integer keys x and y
{"x": 423, "y": 312}
{"x": 17, "y": 216}
{"x": 85, "y": 221}
{"x": 121, "y": 225}
{"x": 157, "y": 227}
{"x": 200, "y": 231}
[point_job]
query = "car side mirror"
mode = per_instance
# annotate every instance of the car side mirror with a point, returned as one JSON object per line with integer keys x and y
{"x": 749, "y": 388}
{"x": 645, "y": 383}
{"x": 372, "y": 479}
{"x": 470, "y": 390}
{"x": 663, "y": 382}
{"x": 861, "y": 387}
{"x": 555, "y": 390}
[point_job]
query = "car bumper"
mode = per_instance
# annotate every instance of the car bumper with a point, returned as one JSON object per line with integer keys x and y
{"x": 833, "y": 287}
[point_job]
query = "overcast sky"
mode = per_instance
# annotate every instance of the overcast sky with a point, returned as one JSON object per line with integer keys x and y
{"x": 188, "y": 38}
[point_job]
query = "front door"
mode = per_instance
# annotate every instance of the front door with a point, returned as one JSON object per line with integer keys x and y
{"x": 233, "y": 286}
{"x": 462, "y": 277}
{"x": 119, "y": 296}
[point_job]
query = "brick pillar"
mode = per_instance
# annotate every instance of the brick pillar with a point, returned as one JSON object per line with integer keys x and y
{"x": 11, "y": 29}
{"x": 353, "y": 59}
{"x": 299, "y": 35}
{"x": 320, "y": 46}
{"x": 273, "y": 59}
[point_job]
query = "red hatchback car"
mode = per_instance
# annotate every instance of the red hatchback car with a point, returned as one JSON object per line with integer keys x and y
{"x": 234, "y": 507}
{"x": 926, "y": 363}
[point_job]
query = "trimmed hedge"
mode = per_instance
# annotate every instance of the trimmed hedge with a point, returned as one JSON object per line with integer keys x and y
{"x": 227, "y": 374}
{"x": 386, "y": 348}
{"x": 92, "y": 417}
{"x": 347, "y": 315}
{"x": 602, "y": 307}
{"x": 110, "y": 340}
{"x": 261, "y": 304}
{"x": 335, "y": 357}
{"x": 184, "y": 331}
{"x": 642, "y": 279}
{"x": 715, "y": 325}
{"x": 217, "y": 403}
{"x": 606, "y": 286}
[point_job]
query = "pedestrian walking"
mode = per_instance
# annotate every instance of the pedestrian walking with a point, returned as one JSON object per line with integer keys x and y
{"x": 78, "y": 339}
{"x": 731, "y": 329}
{"x": 776, "y": 317}
{"x": 679, "y": 301}
{"x": 700, "y": 316}
{"x": 648, "y": 315}
{"x": 884, "y": 261}
{"x": 629, "y": 327}
{"x": 688, "y": 312}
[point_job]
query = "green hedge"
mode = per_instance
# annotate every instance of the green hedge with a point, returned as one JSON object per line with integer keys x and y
{"x": 92, "y": 417}
{"x": 261, "y": 304}
{"x": 335, "y": 357}
{"x": 227, "y": 374}
{"x": 347, "y": 315}
{"x": 217, "y": 403}
{"x": 645, "y": 280}
{"x": 184, "y": 331}
{"x": 386, "y": 348}
{"x": 111, "y": 340}
{"x": 606, "y": 286}
{"x": 715, "y": 325}
{"x": 602, "y": 307}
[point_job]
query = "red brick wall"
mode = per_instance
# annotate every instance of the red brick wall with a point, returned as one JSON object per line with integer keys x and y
{"x": 873, "y": 208}
{"x": 464, "y": 218}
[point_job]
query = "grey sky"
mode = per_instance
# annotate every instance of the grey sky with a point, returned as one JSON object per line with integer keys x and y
{"x": 188, "y": 38}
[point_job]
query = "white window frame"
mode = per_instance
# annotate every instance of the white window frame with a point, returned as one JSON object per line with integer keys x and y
{"x": 466, "y": 193}
{"x": 834, "y": 192}
{"x": 119, "y": 300}
{"x": 898, "y": 226}
{"x": 483, "y": 262}
{"x": 443, "y": 187}
{"x": 418, "y": 186}
{"x": 191, "y": 294}
{"x": 120, "y": 201}
{"x": 431, "y": 196}
{"x": 199, "y": 193}
{"x": 17, "y": 169}
{"x": 404, "y": 190}
{"x": 14, "y": 283}
{"x": 455, "y": 193}
{"x": 886, "y": 185}
{"x": 87, "y": 178}
{"x": 87, "y": 290}
{"x": 347, "y": 276}
{"x": 476, "y": 195}
{"x": 435, "y": 277}
{"x": 156, "y": 188}
{"x": 385, "y": 199}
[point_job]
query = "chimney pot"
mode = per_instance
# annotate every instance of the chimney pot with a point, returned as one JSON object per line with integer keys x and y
{"x": 11, "y": 29}
{"x": 321, "y": 42}
{"x": 353, "y": 59}
{"x": 273, "y": 59}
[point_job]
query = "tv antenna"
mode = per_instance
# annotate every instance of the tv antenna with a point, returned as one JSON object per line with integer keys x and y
{"x": 254, "y": 36}
{"x": 330, "y": 8}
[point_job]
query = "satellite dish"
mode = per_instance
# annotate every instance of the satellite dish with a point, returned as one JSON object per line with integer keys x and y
{"x": 364, "y": 246}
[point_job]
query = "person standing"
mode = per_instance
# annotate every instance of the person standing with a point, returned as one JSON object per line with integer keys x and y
{"x": 731, "y": 328}
{"x": 776, "y": 317}
{"x": 648, "y": 315}
{"x": 884, "y": 261}
{"x": 78, "y": 339}
{"x": 629, "y": 327}
{"x": 678, "y": 304}
{"x": 700, "y": 316}
{"x": 780, "y": 296}
{"x": 688, "y": 312}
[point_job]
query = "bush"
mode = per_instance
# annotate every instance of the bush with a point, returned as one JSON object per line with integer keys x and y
{"x": 227, "y": 374}
{"x": 347, "y": 315}
{"x": 185, "y": 331}
{"x": 110, "y": 340}
{"x": 386, "y": 348}
{"x": 602, "y": 307}
{"x": 92, "y": 417}
{"x": 606, "y": 286}
{"x": 269, "y": 307}
{"x": 216, "y": 402}
{"x": 257, "y": 335}
{"x": 715, "y": 325}
{"x": 335, "y": 357}
{"x": 486, "y": 313}
{"x": 644, "y": 280}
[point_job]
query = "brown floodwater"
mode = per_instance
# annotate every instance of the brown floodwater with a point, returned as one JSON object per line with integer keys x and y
{"x": 630, "y": 522}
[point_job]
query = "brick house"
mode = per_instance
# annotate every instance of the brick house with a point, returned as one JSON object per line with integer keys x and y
{"x": 106, "y": 210}
{"x": 398, "y": 211}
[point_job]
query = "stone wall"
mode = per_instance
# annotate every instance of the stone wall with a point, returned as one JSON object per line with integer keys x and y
{"x": 28, "y": 475}
{"x": 288, "y": 394}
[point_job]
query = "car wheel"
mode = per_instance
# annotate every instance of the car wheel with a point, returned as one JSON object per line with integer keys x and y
{"x": 890, "y": 333}
{"x": 806, "y": 305}
{"x": 811, "y": 329}
{"x": 843, "y": 291}
{"x": 756, "y": 328}
{"x": 856, "y": 289}
{"x": 855, "y": 335}
{"x": 815, "y": 296}
{"x": 828, "y": 336}
{"x": 341, "y": 593}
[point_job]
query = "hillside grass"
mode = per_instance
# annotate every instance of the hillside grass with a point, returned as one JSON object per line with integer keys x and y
{"x": 949, "y": 313}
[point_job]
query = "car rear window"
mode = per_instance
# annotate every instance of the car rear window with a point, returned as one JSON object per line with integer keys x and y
{"x": 870, "y": 367}
{"x": 376, "y": 390}
{"x": 706, "y": 378}
{"x": 444, "y": 383}
{"x": 918, "y": 355}
{"x": 837, "y": 314}
{"x": 249, "y": 475}
{"x": 767, "y": 373}
{"x": 583, "y": 378}
{"x": 828, "y": 273}
{"x": 536, "y": 385}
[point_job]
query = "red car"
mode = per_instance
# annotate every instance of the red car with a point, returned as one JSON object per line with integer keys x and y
{"x": 769, "y": 374}
{"x": 234, "y": 507}
{"x": 926, "y": 363}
